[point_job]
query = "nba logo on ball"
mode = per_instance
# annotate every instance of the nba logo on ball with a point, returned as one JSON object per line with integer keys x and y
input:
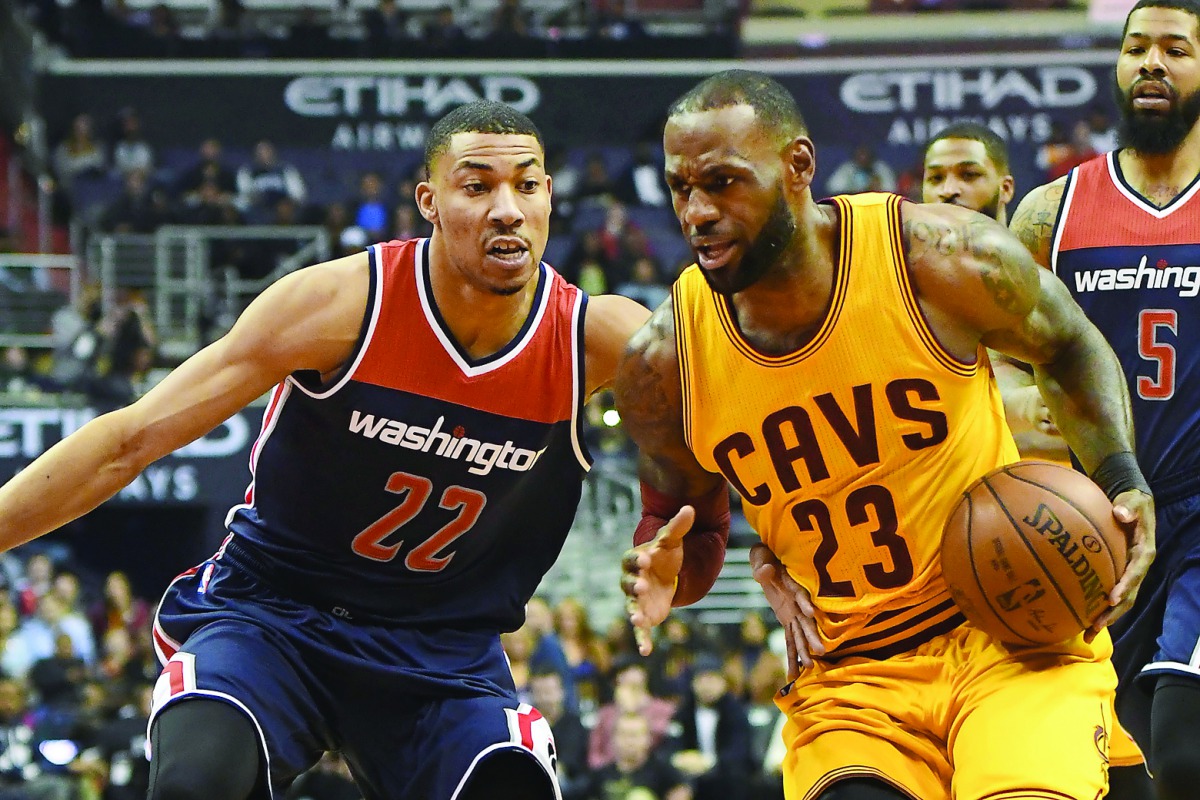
{"x": 1031, "y": 553}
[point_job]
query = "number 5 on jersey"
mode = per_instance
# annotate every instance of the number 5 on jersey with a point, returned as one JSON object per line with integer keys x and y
{"x": 416, "y": 491}
{"x": 1151, "y": 348}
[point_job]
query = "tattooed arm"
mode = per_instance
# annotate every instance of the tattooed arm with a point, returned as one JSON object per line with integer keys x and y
{"x": 976, "y": 281}
{"x": 1033, "y": 222}
{"x": 680, "y": 541}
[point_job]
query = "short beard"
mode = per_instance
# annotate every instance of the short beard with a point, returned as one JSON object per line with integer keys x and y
{"x": 764, "y": 252}
{"x": 1157, "y": 134}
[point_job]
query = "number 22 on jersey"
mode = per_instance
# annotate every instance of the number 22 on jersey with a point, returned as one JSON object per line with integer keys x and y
{"x": 415, "y": 491}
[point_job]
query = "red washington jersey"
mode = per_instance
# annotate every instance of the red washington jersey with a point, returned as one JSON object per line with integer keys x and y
{"x": 1135, "y": 270}
{"x": 421, "y": 486}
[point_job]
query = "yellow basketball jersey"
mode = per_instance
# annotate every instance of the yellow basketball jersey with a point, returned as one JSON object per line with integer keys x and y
{"x": 850, "y": 452}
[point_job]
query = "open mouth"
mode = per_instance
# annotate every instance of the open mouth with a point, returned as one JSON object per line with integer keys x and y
{"x": 714, "y": 255}
{"x": 512, "y": 251}
{"x": 1151, "y": 96}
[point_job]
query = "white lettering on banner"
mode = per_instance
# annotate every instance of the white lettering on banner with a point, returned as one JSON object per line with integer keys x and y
{"x": 963, "y": 89}
{"x": 28, "y": 432}
{"x": 1010, "y": 127}
{"x": 381, "y": 96}
{"x": 161, "y": 483}
{"x": 379, "y": 136}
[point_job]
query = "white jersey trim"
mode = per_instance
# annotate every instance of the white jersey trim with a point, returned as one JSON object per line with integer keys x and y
{"x": 1157, "y": 213}
{"x": 539, "y": 310}
{"x": 270, "y": 418}
{"x": 376, "y": 262}
{"x": 578, "y": 365}
{"x": 1061, "y": 224}
{"x": 505, "y": 746}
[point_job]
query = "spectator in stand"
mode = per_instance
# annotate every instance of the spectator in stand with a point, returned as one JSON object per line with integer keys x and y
{"x": 547, "y": 647}
{"x": 631, "y": 695}
{"x": 671, "y": 670}
{"x": 587, "y": 265}
{"x": 636, "y": 769}
{"x": 863, "y": 172}
{"x": 1102, "y": 130}
{"x": 229, "y": 20}
{"x": 266, "y": 179}
{"x": 1064, "y": 151}
{"x": 596, "y": 185}
{"x": 444, "y": 36}
{"x": 371, "y": 212}
{"x": 37, "y": 583}
{"x": 34, "y": 639}
{"x": 643, "y": 184}
{"x": 163, "y": 29}
{"x": 80, "y": 152}
{"x": 387, "y": 28}
{"x": 140, "y": 208}
{"x": 518, "y": 648}
{"x": 131, "y": 151}
{"x": 586, "y": 654}
{"x": 766, "y": 725}
{"x": 547, "y": 695}
{"x": 407, "y": 223}
{"x": 615, "y": 23}
{"x": 622, "y": 242}
{"x": 509, "y": 22}
{"x": 21, "y": 776}
{"x": 751, "y": 650}
{"x": 209, "y": 205}
{"x": 711, "y": 735}
{"x": 58, "y": 678}
{"x": 118, "y": 608}
{"x": 130, "y": 348}
{"x": 645, "y": 284}
{"x": 209, "y": 169}
{"x": 116, "y": 760}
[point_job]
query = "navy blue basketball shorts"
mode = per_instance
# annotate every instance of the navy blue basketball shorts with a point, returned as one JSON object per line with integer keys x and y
{"x": 1160, "y": 635}
{"x": 412, "y": 712}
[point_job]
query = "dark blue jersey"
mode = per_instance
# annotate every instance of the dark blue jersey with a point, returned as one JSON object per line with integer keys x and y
{"x": 422, "y": 486}
{"x": 1135, "y": 271}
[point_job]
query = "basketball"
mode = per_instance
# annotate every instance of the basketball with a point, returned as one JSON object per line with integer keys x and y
{"x": 1031, "y": 553}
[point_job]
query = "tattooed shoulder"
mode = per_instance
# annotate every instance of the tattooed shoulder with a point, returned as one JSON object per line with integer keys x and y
{"x": 1033, "y": 222}
{"x": 648, "y": 389}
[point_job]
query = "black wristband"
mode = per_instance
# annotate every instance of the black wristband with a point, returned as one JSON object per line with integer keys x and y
{"x": 1119, "y": 473}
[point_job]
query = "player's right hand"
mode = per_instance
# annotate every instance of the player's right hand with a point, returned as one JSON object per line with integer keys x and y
{"x": 792, "y": 606}
{"x": 650, "y": 574}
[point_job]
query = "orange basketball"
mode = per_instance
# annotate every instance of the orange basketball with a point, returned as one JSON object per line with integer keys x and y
{"x": 1031, "y": 553}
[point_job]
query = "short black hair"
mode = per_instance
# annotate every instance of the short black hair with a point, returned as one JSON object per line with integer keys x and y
{"x": 995, "y": 147}
{"x": 773, "y": 105}
{"x": 1187, "y": 6}
{"x": 480, "y": 116}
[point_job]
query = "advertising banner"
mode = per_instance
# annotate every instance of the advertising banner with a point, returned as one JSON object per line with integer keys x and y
{"x": 388, "y": 107}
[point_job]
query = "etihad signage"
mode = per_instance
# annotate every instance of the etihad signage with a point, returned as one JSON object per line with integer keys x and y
{"x": 377, "y": 112}
{"x": 1014, "y": 102}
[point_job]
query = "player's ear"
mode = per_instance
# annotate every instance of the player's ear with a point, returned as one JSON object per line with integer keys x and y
{"x": 800, "y": 162}
{"x": 1008, "y": 188}
{"x": 427, "y": 202}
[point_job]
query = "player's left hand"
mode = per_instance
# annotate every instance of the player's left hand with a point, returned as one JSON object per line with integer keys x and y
{"x": 649, "y": 576}
{"x": 793, "y": 608}
{"x": 1134, "y": 512}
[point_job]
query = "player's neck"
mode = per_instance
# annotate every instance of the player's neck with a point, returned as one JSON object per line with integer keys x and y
{"x": 780, "y": 312}
{"x": 481, "y": 321}
{"x": 1161, "y": 178}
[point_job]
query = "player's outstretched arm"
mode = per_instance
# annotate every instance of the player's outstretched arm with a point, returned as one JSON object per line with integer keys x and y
{"x": 307, "y": 320}
{"x": 680, "y": 542}
{"x": 978, "y": 277}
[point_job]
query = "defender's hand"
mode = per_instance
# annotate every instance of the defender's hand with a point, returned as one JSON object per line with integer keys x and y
{"x": 650, "y": 573}
{"x": 1134, "y": 512}
{"x": 792, "y": 606}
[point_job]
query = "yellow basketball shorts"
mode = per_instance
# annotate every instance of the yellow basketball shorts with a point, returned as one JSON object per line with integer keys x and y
{"x": 959, "y": 717}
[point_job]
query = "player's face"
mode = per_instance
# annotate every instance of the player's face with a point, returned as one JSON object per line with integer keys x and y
{"x": 726, "y": 178}
{"x": 960, "y": 172}
{"x": 1158, "y": 79}
{"x": 489, "y": 197}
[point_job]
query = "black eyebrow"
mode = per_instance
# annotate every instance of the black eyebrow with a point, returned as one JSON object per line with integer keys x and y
{"x": 1176, "y": 37}
{"x": 476, "y": 165}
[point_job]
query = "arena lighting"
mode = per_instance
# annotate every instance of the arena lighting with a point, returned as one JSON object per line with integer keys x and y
{"x": 611, "y": 418}
{"x": 58, "y": 752}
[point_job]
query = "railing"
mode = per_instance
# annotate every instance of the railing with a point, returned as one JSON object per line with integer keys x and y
{"x": 590, "y": 564}
{"x": 32, "y": 288}
{"x": 193, "y": 293}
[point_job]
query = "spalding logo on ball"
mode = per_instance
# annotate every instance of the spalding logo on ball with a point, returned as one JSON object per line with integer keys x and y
{"x": 1031, "y": 553}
